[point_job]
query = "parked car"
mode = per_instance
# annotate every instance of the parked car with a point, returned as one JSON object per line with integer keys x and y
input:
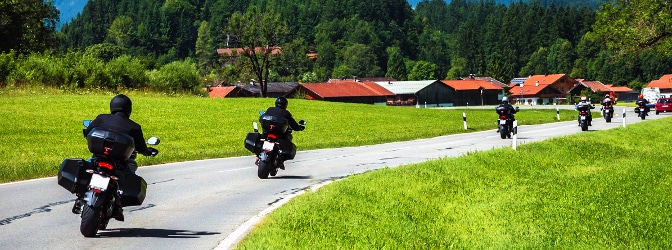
{"x": 664, "y": 105}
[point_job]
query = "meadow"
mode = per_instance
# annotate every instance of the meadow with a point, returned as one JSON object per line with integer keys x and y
{"x": 608, "y": 189}
{"x": 41, "y": 127}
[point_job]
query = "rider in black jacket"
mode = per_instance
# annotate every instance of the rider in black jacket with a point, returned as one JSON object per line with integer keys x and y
{"x": 280, "y": 110}
{"x": 118, "y": 121}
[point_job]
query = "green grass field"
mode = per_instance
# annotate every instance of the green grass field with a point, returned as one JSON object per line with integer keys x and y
{"x": 42, "y": 127}
{"x": 601, "y": 190}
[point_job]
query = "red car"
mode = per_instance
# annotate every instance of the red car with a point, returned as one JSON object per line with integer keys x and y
{"x": 664, "y": 105}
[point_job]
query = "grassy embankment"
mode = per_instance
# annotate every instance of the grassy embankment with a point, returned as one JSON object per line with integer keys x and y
{"x": 598, "y": 190}
{"x": 41, "y": 127}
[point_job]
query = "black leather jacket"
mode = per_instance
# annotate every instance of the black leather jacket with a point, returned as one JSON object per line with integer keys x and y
{"x": 120, "y": 123}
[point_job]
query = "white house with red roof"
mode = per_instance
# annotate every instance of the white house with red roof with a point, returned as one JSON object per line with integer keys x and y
{"x": 542, "y": 89}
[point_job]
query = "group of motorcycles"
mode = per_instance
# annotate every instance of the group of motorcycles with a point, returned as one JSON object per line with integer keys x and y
{"x": 103, "y": 184}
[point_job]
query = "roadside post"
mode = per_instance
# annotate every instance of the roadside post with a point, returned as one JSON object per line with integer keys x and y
{"x": 557, "y": 110}
{"x": 515, "y": 135}
{"x": 464, "y": 119}
{"x": 624, "y": 117}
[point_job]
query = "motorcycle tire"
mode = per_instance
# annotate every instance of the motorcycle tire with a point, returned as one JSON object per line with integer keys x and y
{"x": 642, "y": 115}
{"x": 264, "y": 169}
{"x": 607, "y": 117}
{"x": 503, "y": 133}
{"x": 584, "y": 126}
{"x": 90, "y": 221}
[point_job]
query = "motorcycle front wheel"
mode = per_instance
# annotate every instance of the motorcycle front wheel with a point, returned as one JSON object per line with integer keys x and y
{"x": 90, "y": 221}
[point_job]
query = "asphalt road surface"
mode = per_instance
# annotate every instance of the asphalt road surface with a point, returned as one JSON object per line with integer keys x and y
{"x": 208, "y": 204}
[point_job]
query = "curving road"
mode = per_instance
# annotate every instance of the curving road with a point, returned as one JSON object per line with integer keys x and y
{"x": 198, "y": 204}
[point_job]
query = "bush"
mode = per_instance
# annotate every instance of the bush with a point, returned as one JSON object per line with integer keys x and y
{"x": 126, "y": 72}
{"x": 176, "y": 76}
{"x": 39, "y": 69}
{"x": 7, "y": 65}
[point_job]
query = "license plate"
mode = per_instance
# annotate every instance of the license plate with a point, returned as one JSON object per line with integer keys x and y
{"x": 99, "y": 182}
{"x": 502, "y": 122}
{"x": 583, "y": 118}
{"x": 664, "y": 106}
{"x": 268, "y": 145}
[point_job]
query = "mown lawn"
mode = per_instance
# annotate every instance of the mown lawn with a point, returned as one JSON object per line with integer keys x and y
{"x": 601, "y": 190}
{"x": 40, "y": 128}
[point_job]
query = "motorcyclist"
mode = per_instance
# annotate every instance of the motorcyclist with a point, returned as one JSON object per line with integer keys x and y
{"x": 509, "y": 110}
{"x": 643, "y": 102}
{"x": 608, "y": 102}
{"x": 280, "y": 110}
{"x": 118, "y": 121}
{"x": 585, "y": 105}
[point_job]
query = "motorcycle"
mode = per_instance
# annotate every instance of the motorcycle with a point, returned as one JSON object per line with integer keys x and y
{"x": 505, "y": 122}
{"x": 103, "y": 183}
{"x": 641, "y": 110}
{"x": 583, "y": 117}
{"x": 608, "y": 112}
{"x": 270, "y": 146}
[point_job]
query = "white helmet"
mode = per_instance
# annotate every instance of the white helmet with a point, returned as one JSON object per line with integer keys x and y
{"x": 583, "y": 99}
{"x": 505, "y": 99}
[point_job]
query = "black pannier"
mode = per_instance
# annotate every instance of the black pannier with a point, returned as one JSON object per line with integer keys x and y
{"x": 273, "y": 124}
{"x": 287, "y": 149}
{"x": 133, "y": 187}
{"x": 253, "y": 142}
{"x": 72, "y": 175}
{"x": 108, "y": 143}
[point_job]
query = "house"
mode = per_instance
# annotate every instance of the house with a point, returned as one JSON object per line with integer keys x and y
{"x": 473, "y": 92}
{"x": 223, "y": 91}
{"x": 623, "y": 93}
{"x": 273, "y": 89}
{"x": 408, "y": 92}
{"x": 347, "y": 91}
{"x": 619, "y": 92}
{"x": 664, "y": 84}
{"x": 542, "y": 89}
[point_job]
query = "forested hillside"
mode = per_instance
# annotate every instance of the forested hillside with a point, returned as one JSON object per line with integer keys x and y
{"x": 374, "y": 38}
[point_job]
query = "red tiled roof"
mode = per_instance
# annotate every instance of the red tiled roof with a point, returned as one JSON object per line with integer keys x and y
{"x": 597, "y": 86}
{"x": 221, "y": 92}
{"x": 619, "y": 89}
{"x": 470, "y": 84}
{"x": 534, "y": 84}
{"x": 347, "y": 89}
{"x": 239, "y": 51}
{"x": 665, "y": 82}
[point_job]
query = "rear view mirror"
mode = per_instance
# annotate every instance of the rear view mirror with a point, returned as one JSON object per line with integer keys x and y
{"x": 86, "y": 123}
{"x": 153, "y": 141}
{"x": 254, "y": 125}
{"x": 261, "y": 112}
{"x": 302, "y": 123}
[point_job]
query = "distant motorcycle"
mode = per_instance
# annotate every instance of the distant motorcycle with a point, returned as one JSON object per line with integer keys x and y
{"x": 270, "y": 146}
{"x": 505, "y": 122}
{"x": 103, "y": 181}
{"x": 583, "y": 117}
{"x": 641, "y": 110}
{"x": 608, "y": 112}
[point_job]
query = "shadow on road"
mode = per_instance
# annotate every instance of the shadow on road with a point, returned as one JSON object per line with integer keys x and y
{"x": 293, "y": 177}
{"x": 152, "y": 233}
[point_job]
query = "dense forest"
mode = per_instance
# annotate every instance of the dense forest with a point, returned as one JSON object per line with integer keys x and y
{"x": 373, "y": 38}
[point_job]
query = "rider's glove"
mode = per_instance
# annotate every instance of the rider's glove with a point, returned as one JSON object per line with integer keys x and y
{"x": 151, "y": 152}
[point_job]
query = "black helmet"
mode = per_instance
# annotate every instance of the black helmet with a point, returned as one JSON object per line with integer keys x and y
{"x": 121, "y": 103}
{"x": 281, "y": 102}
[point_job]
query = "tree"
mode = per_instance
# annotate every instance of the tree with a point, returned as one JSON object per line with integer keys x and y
{"x": 27, "y": 25}
{"x": 204, "y": 50}
{"x": 121, "y": 31}
{"x": 260, "y": 35}
{"x": 395, "y": 64}
{"x": 633, "y": 25}
{"x": 422, "y": 71}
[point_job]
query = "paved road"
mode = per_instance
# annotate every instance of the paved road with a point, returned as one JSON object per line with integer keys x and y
{"x": 196, "y": 205}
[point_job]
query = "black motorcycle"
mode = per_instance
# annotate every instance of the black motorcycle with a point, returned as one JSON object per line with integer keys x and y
{"x": 641, "y": 110}
{"x": 103, "y": 183}
{"x": 583, "y": 117}
{"x": 272, "y": 146}
{"x": 505, "y": 122}
{"x": 608, "y": 112}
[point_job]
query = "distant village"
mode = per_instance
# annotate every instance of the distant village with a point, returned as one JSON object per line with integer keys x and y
{"x": 468, "y": 91}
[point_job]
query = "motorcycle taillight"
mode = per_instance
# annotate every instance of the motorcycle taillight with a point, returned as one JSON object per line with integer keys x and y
{"x": 502, "y": 117}
{"x": 272, "y": 136}
{"x": 583, "y": 112}
{"x": 105, "y": 165}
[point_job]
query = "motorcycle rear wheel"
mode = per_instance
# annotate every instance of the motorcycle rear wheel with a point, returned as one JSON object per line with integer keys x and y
{"x": 90, "y": 221}
{"x": 264, "y": 170}
{"x": 584, "y": 126}
{"x": 503, "y": 132}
